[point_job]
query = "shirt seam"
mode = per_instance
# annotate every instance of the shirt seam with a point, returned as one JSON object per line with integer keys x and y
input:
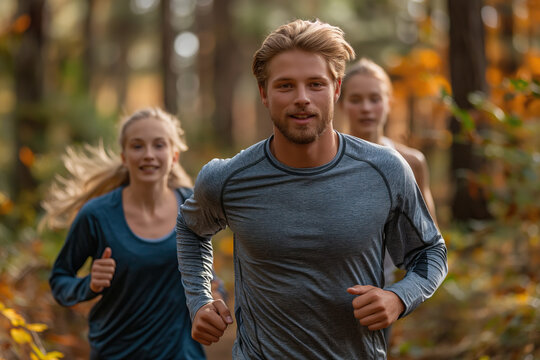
{"x": 381, "y": 174}
{"x": 237, "y": 171}
{"x": 335, "y": 161}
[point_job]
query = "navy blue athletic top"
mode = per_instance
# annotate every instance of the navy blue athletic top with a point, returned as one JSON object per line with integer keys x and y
{"x": 143, "y": 314}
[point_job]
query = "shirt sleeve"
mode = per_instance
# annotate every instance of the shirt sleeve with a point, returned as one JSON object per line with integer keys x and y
{"x": 200, "y": 217}
{"x": 67, "y": 288}
{"x": 412, "y": 239}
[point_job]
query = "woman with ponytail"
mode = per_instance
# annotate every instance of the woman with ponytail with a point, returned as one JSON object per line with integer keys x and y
{"x": 121, "y": 211}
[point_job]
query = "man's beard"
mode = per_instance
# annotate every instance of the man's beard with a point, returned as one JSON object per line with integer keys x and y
{"x": 301, "y": 135}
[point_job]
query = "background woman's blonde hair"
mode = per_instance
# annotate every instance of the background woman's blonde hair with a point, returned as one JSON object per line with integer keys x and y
{"x": 365, "y": 66}
{"x": 312, "y": 36}
{"x": 94, "y": 171}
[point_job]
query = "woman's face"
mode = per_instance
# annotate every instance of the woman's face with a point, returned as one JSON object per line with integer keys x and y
{"x": 147, "y": 151}
{"x": 366, "y": 105}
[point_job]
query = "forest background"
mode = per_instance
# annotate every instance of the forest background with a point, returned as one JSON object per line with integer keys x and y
{"x": 466, "y": 86}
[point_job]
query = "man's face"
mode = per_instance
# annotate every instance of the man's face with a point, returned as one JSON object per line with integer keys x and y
{"x": 300, "y": 95}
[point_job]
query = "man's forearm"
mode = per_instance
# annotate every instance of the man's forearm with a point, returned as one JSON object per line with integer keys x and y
{"x": 195, "y": 264}
{"x": 424, "y": 276}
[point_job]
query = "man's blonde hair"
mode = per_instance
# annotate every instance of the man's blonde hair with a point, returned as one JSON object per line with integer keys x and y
{"x": 311, "y": 36}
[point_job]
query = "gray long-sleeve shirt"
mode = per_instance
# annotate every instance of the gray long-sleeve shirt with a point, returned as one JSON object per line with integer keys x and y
{"x": 302, "y": 237}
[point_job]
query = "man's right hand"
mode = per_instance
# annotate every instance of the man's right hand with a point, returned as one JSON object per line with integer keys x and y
{"x": 102, "y": 271}
{"x": 210, "y": 322}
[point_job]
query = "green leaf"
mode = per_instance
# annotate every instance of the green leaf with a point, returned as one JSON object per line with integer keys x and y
{"x": 443, "y": 93}
{"x": 479, "y": 100}
{"x": 459, "y": 113}
{"x": 465, "y": 118}
{"x": 512, "y": 120}
{"x": 519, "y": 84}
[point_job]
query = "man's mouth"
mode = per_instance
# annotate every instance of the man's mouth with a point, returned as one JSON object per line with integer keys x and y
{"x": 302, "y": 118}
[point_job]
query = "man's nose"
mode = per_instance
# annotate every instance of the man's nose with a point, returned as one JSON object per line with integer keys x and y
{"x": 302, "y": 97}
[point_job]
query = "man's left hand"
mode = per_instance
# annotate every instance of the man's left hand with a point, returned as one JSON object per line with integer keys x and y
{"x": 374, "y": 307}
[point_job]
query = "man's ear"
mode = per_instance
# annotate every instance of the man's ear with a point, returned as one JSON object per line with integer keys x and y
{"x": 176, "y": 154}
{"x": 338, "y": 90}
{"x": 123, "y": 158}
{"x": 264, "y": 98}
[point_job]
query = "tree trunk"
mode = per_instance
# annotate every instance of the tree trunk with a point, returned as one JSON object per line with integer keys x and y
{"x": 167, "y": 42}
{"x": 226, "y": 72}
{"x": 123, "y": 30}
{"x": 467, "y": 73}
{"x": 204, "y": 27}
{"x": 30, "y": 121}
{"x": 509, "y": 63}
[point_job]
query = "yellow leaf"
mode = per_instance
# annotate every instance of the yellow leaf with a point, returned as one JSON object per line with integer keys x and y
{"x": 2, "y": 307}
{"x": 522, "y": 298}
{"x": 20, "y": 336}
{"x": 428, "y": 58}
{"x": 16, "y": 319}
{"x": 33, "y": 356}
{"x": 36, "y": 327}
{"x": 533, "y": 59}
{"x": 54, "y": 355}
{"x": 40, "y": 355}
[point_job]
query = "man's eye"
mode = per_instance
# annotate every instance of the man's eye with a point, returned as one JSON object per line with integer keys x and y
{"x": 316, "y": 84}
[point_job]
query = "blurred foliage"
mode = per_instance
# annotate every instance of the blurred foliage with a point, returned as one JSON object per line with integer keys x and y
{"x": 22, "y": 283}
{"x": 489, "y": 305}
{"x": 509, "y": 140}
{"x": 23, "y": 335}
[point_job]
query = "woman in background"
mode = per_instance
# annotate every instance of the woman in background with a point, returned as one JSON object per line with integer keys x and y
{"x": 366, "y": 92}
{"x": 122, "y": 211}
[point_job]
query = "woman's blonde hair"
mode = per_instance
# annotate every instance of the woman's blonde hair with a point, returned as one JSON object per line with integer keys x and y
{"x": 311, "y": 36}
{"x": 365, "y": 66}
{"x": 94, "y": 171}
